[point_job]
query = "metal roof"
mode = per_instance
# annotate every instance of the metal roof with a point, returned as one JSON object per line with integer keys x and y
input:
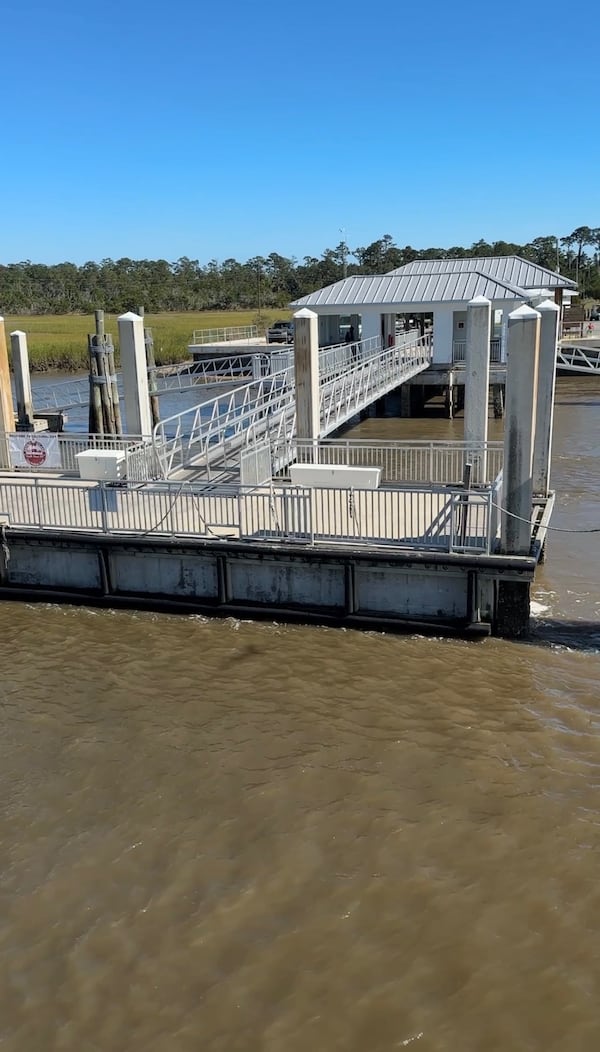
{"x": 397, "y": 289}
{"x": 512, "y": 269}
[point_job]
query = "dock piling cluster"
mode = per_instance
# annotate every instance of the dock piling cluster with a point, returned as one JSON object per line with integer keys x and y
{"x": 105, "y": 409}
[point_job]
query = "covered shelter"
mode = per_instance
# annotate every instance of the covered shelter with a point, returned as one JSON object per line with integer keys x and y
{"x": 434, "y": 294}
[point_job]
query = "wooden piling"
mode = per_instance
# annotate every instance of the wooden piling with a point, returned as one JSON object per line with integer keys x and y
{"x": 105, "y": 410}
{"x": 95, "y": 424}
{"x": 113, "y": 386}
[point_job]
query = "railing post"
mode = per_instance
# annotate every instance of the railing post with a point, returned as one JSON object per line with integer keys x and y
{"x": 452, "y": 517}
{"x": 489, "y": 521}
{"x": 38, "y": 514}
{"x": 103, "y": 508}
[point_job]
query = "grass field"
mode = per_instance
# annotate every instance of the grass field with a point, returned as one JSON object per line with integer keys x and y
{"x": 59, "y": 341}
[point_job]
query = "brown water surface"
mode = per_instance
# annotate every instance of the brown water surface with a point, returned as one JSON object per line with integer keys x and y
{"x": 232, "y": 836}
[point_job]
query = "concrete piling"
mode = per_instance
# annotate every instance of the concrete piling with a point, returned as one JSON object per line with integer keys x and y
{"x": 542, "y": 445}
{"x": 477, "y": 380}
{"x": 7, "y": 413}
{"x": 306, "y": 362}
{"x": 24, "y": 399}
{"x": 135, "y": 374}
{"x": 521, "y": 393}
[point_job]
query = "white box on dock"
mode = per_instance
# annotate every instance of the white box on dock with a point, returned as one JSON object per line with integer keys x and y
{"x": 334, "y": 476}
{"x": 101, "y": 465}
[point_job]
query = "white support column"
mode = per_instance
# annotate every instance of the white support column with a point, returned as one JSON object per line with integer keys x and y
{"x": 306, "y": 362}
{"x": 442, "y": 335}
{"x": 135, "y": 374}
{"x": 371, "y": 324}
{"x": 519, "y": 429}
{"x": 20, "y": 360}
{"x": 334, "y": 329}
{"x": 477, "y": 381}
{"x": 7, "y": 413}
{"x": 542, "y": 445}
{"x": 389, "y": 329}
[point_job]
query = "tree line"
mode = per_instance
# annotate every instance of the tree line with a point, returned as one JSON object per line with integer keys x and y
{"x": 261, "y": 282}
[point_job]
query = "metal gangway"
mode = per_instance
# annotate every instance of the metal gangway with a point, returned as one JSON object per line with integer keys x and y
{"x": 579, "y": 357}
{"x": 205, "y": 441}
{"x": 206, "y": 373}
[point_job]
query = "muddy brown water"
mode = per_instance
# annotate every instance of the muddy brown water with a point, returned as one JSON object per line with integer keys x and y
{"x": 231, "y": 836}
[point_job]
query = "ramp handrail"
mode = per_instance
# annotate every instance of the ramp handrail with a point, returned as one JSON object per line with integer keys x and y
{"x": 578, "y": 358}
{"x": 269, "y": 404}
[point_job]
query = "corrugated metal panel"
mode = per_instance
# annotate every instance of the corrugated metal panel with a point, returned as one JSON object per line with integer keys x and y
{"x": 393, "y": 289}
{"x": 511, "y": 269}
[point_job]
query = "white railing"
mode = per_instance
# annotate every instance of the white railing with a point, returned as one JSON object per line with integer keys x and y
{"x": 227, "y": 334}
{"x": 64, "y": 395}
{"x": 423, "y": 518}
{"x": 228, "y": 369}
{"x": 370, "y": 377}
{"x": 210, "y": 433}
{"x": 399, "y": 461}
{"x": 578, "y": 358}
{"x": 45, "y": 452}
{"x": 459, "y": 350}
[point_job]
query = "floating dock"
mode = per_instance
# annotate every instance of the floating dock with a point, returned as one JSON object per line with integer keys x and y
{"x": 242, "y": 506}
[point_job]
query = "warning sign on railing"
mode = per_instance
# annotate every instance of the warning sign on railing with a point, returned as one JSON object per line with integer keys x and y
{"x": 34, "y": 451}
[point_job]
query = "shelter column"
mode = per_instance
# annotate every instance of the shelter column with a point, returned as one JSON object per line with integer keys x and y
{"x": 388, "y": 329}
{"x": 542, "y": 446}
{"x": 135, "y": 374}
{"x": 306, "y": 362}
{"x": 334, "y": 329}
{"x": 521, "y": 391}
{"x": 20, "y": 359}
{"x": 477, "y": 379}
{"x": 371, "y": 325}
{"x": 7, "y": 413}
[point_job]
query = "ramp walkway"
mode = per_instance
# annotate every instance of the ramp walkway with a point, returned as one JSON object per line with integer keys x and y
{"x": 580, "y": 357}
{"x": 205, "y": 441}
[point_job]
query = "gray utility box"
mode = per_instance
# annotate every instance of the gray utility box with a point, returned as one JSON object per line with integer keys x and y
{"x": 101, "y": 465}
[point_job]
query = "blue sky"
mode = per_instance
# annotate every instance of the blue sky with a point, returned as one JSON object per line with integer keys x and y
{"x": 229, "y": 129}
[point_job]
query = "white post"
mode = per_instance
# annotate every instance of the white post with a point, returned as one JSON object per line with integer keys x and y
{"x": 333, "y": 335}
{"x": 477, "y": 381}
{"x": 371, "y": 325}
{"x": 389, "y": 329}
{"x": 443, "y": 335}
{"x": 519, "y": 429}
{"x": 20, "y": 359}
{"x": 7, "y": 413}
{"x": 306, "y": 361}
{"x": 542, "y": 445}
{"x": 135, "y": 374}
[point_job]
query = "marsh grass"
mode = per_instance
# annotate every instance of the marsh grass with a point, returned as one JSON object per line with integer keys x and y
{"x": 59, "y": 341}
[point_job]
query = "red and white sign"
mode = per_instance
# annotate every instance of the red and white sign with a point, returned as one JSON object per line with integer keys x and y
{"x": 35, "y": 451}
